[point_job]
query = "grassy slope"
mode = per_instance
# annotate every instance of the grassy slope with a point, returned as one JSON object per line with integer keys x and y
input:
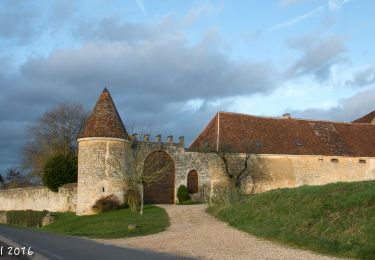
{"x": 110, "y": 224}
{"x": 337, "y": 219}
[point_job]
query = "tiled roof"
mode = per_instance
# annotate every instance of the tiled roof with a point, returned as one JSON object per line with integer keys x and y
{"x": 240, "y": 132}
{"x": 366, "y": 118}
{"x": 104, "y": 120}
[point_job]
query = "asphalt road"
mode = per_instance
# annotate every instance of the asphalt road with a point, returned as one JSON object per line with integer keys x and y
{"x": 58, "y": 247}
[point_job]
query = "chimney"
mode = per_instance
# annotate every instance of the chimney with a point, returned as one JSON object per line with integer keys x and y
{"x": 181, "y": 140}
{"x": 286, "y": 115}
{"x": 146, "y": 138}
{"x": 158, "y": 138}
{"x": 170, "y": 140}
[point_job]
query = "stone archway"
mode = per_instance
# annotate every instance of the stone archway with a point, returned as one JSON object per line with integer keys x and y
{"x": 192, "y": 182}
{"x": 162, "y": 190}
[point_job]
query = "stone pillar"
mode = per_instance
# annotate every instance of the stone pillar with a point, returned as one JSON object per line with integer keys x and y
{"x": 182, "y": 141}
{"x": 170, "y": 140}
{"x": 146, "y": 138}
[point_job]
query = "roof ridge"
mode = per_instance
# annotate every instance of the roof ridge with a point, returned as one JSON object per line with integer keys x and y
{"x": 292, "y": 118}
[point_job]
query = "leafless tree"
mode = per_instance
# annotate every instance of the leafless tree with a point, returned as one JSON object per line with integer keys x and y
{"x": 15, "y": 179}
{"x": 131, "y": 165}
{"x": 240, "y": 167}
{"x": 55, "y": 132}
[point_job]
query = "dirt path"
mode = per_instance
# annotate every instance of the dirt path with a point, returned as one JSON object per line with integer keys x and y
{"x": 195, "y": 233}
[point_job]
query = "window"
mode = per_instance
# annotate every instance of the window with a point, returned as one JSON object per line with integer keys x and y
{"x": 298, "y": 143}
{"x": 334, "y": 160}
{"x": 362, "y": 161}
{"x": 320, "y": 160}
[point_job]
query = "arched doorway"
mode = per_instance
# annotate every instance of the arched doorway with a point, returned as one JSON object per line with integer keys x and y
{"x": 192, "y": 182}
{"x": 160, "y": 166}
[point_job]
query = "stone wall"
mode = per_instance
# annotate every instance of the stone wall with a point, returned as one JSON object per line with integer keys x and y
{"x": 293, "y": 171}
{"x": 289, "y": 171}
{"x": 185, "y": 161}
{"x": 39, "y": 198}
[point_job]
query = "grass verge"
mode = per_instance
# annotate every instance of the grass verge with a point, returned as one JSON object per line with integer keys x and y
{"x": 112, "y": 224}
{"x": 191, "y": 202}
{"x": 336, "y": 219}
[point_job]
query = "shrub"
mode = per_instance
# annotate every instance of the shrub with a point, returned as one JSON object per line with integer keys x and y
{"x": 25, "y": 218}
{"x": 133, "y": 199}
{"x": 59, "y": 170}
{"x": 107, "y": 203}
{"x": 183, "y": 193}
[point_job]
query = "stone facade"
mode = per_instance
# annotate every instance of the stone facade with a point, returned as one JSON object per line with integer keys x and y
{"x": 290, "y": 171}
{"x": 39, "y": 198}
{"x": 96, "y": 174}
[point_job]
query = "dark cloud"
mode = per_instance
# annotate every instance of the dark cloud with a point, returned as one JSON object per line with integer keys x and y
{"x": 363, "y": 78}
{"x": 319, "y": 54}
{"x": 152, "y": 75}
{"x": 112, "y": 29}
{"x": 347, "y": 110}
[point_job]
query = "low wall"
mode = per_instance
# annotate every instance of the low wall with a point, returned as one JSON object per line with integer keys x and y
{"x": 288, "y": 171}
{"x": 39, "y": 198}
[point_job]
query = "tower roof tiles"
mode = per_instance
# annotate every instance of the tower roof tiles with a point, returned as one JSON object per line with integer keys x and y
{"x": 104, "y": 120}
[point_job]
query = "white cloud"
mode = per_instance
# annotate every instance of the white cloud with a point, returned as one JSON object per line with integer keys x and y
{"x": 348, "y": 109}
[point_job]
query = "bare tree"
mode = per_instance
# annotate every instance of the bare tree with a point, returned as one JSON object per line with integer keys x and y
{"x": 55, "y": 132}
{"x": 131, "y": 165}
{"x": 240, "y": 167}
{"x": 15, "y": 179}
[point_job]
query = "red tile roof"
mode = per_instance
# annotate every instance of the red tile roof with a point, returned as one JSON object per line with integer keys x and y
{"x": 104, "y": 120}
{"x": 240, "y": 132}
{"x": 366, "y": 118}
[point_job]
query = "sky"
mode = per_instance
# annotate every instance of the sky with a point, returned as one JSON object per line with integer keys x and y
{"x": 170, "y": 65}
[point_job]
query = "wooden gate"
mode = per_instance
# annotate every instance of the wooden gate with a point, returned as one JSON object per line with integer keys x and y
{"x": 161, "y": 166}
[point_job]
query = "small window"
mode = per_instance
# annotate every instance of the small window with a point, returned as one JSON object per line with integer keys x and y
{"x": 362, "y": 161}
{"x": 103, "y": 190}
{"x": 334, "y": 160}
{"x": 99, "y": 154}
{"x": 258, "y": 143}
{"x": 320, "y": 160}
{"x": 298, "y": 143}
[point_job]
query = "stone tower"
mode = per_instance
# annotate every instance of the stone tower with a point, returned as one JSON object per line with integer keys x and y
{"x": 103, "y": 136}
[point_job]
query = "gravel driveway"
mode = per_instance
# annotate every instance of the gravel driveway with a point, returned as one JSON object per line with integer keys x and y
{"x": 195, "y": 233}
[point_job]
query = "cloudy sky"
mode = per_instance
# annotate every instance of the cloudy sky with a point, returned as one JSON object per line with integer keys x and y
{"x": 170, "y": 65}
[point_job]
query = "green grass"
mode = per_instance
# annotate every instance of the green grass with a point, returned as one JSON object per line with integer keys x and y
{"x": 336, "y": 219}
{"x": 112, "y": 224}
{"x": 191, "y": 202}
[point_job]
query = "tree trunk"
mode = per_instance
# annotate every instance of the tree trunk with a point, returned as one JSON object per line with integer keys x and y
{"x": 142, "y": 195}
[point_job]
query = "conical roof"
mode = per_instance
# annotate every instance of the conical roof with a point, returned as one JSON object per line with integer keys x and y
{"x": 104, "y": 120}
